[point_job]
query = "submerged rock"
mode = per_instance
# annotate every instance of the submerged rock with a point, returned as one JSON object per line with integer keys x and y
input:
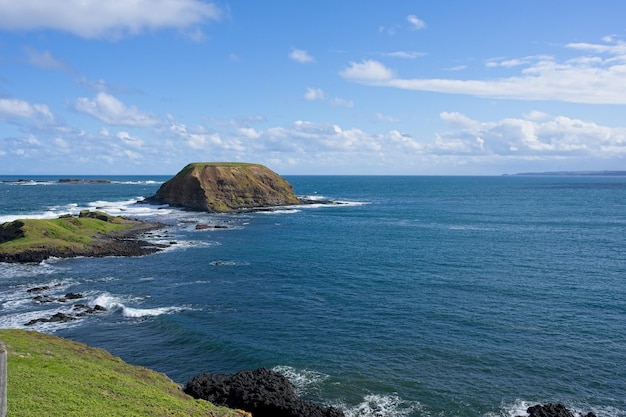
{"x": 264, "y": 393}
{"x": 225, "y": 187}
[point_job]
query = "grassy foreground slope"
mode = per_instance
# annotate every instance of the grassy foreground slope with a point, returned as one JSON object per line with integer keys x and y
{"x": 49, "y": 376}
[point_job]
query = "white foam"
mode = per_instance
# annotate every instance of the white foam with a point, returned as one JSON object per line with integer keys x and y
{"x": 302, "y": 379}
{"x": 279, "y": 211}
{"x": 127, "y": 208}
{"x": 145, "y": 182}
{"x": 17, "y": 270}
{"x": 377, "y": 405}
{"x": 19, "y": 320}
{"x": 113, "y": 303}
{"x": 518, "y": 408}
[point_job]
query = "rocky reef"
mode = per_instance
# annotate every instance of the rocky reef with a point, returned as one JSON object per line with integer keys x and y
{"x": 225, "y": 187}
{"x": 263, "y": 393}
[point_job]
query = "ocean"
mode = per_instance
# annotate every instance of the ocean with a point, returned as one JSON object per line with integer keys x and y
{"x": 418, "y": 296}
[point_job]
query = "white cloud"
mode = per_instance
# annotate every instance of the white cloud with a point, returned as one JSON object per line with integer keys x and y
{"x": 198, "y": 138}
{"x": 249, "y": 132}
{"x": 105, "y": 19}
{"x": 368, "y": 71}
{"x": 340, "y": 102}
{"x": 545, "y": 137}
{"x": 11, "y": 108}
{"x": 456, "y": 68}
{"x": 586, "y": 79}
{"x": 301, "y": 56}
{"x": 129, "y": 140}
{"x": 405, "y": 54}
{"x": 43, "y": 59}
{"x": 110, "y": 110}
{"x": 415, "y": 22}
{"x": 314, "y": 138}
{"x": 313, "y": 94}
{"x": 379, "y": 117}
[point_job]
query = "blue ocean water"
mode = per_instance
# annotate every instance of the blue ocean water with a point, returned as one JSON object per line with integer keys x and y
{"x": 420, "y": 296}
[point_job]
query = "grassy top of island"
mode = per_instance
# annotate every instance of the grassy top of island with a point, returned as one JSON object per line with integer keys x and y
{"x": 89, "y": 234}
{"x": 55, "y": 377}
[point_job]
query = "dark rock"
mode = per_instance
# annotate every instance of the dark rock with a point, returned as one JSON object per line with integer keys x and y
{"x": 43, "y": 299}
{"x": 38, "y": 289}
{"x": 264, "y": 393}
{"x": 73, "y": 296}
{"x": 202, "y": 226}
{"x": 61, "y": 318}
{"x": 56, "y": 318}
{"x": 83, "y": 181}
{"x": 553, "y": 410}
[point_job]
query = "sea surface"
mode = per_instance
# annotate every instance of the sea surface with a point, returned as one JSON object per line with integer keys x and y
{"x": 419, "y": 296}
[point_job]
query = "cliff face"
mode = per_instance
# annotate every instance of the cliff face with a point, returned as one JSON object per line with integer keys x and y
{"x": 224, "y": 187}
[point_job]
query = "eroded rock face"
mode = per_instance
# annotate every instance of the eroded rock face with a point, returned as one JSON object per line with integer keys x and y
{"x": 224, "y": 187}
{"x": 264, "y": 393}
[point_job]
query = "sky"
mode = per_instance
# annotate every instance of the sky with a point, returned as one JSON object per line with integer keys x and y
{"x": 350, "y": 87}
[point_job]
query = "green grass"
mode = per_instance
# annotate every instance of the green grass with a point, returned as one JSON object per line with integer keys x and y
{"x": 54, "y": 377}
{"x": 64, "y": 232}
{"x": 193, "y": 165}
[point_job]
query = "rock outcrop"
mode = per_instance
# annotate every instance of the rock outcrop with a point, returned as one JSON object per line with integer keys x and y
{"x": 93, "y": 234}
{"x": 264, "y": 393}
{"x": 553, "y": 410}
{"x": 226, "y": 187}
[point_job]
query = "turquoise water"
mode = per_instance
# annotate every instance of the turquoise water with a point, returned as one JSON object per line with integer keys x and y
{"x": 420, "y": 296}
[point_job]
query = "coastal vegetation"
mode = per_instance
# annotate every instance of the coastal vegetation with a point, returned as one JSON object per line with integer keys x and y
{"x": 54, "y": 377}
{"x": 89, "y": 234}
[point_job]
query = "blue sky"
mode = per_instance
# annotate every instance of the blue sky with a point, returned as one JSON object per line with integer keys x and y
{"x": 312, "y": 87}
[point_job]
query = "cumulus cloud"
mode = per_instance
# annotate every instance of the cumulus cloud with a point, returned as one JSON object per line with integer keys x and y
{"x": 304, "y": 137}
{"x": 539, "y": 136}
{"x": 368, "y": 71}
{"x": 110, "y": 110}
{"x": 313, "y": 94}
{"x": 105, "y": 19}
{"x": 599, "y": 79}
{"x": 301, "y": 56}
{"x": 196, "y": 138}
{"x": 415, "y": 22}
{"x": 11, "y": 108}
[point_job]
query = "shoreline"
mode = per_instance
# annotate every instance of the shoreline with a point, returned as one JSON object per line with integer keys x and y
{"x": 121, "y": 237}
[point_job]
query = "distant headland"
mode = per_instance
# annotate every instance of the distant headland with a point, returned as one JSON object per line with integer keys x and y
{"x": 565, "y": 173}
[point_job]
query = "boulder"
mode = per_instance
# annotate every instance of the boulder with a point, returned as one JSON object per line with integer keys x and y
{"x": 553, "y": 410}
{"x": 263, "y": 393}
{"x": 225, "y": 187}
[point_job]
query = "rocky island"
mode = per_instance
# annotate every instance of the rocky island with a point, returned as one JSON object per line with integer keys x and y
{"x": 226, "y": 187}
{"x": 88, "y": 234}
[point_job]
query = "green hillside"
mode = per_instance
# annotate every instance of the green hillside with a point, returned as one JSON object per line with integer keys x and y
{"x": 53, "y": 377}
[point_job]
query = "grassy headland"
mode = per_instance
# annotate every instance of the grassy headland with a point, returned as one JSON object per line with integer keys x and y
{"x": 54, "y": 377}
{"x": 90, "y": 234}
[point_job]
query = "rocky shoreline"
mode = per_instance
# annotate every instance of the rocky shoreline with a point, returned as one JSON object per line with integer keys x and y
{"x": 266, "y": 393}
{"x": 125, "y": 242}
